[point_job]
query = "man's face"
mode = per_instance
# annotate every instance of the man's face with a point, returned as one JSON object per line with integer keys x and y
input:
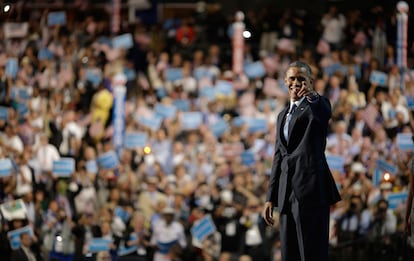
{"x": 297, "y": 81}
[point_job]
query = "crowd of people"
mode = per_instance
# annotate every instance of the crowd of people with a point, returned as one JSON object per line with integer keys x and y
{"x": 194, "y": 187}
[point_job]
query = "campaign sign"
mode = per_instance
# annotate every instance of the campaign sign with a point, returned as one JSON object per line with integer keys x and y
{"x": 122, "y": 41}
{"x": 135, "y": 140}
{"x": 331, "y": 69}
{"x": 386, "y": 167}
{"x": 12, "y": 67}
{"x": 56, "y": 18}
{"x": 44, "y": 54}
{"x": 405, "y": 142}
{"x": 15, "y": 30}
{"x": 247, "y": 158}
{"x": 335, "y": 162}
{"x": 14, "y": 236}
{"x": 263, "y": 103}
{"x": 182, "y": 105}
{"x": 203, "y": 228}
{"x": 124, "y": 250}
{"x": 4, "y": 113}
{"x": 14, "y": 209}
{"x": 376, "y": 177}
{"x": 219, "y": 128}
{"x": 91, "y": 166}
{"x": 108, "y": 160}
{"x": 5, "y": 167}
{"x": 239, "y": 121}
{"x": 191, "y": 120}
{"x": 201, "y": 72}
{"x": 118, "y": 113}
{"x": 122, "y": 214}
{"x": 208, "y": 92}
{"x": 224, "y": 88}
{"x": 378, "y": 77}
{"x": 254, "y": 70}
{"x": 22, "y": 109}
{"x": 63, "y": 167}
{"x": 153, "y": 123}
{"x": 165, "y": 111}
{"x": 396, "y": 199}
{"x": 93, "y": 76}
{"x": 257, "y": 125}
{"x": 173, "y": 74}
{"x": 98, "y": 244}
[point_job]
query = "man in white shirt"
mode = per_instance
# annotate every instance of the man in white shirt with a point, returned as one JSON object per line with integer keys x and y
{"x": 46, "y": 154}
{"x": 168, "y": 237}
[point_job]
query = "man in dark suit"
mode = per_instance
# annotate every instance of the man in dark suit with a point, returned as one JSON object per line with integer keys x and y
{"x": 24, "y": 253}
{"x": 301, "y": 185}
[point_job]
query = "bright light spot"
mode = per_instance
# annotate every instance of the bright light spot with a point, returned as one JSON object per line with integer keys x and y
{"x": 147, "y": 150}
{"x": 387, "y": 176}
{"x": 247, "y": 34}
{"x": 59, "y": 238}
{"x": 6, "y": 8}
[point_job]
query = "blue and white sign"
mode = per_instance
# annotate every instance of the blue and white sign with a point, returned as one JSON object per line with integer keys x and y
{"x": 124, "y": 41}
{"x": 219, "y": 128}
{"x": 44, "y": 54}
{"x": 254, "y": 70}
{"x": 5, "y": 167}
{"x": 14, "y": 236}
{"x": 56, "y": 18}
{"x": 135, "y": 140}
{"x": 173, "y": 74}
{"x": 119, "y": 116}
{"x": 376, "y": 177}
{"x": 92, "y": 166}
{"x": 405, "y": 141}
{"x": 378, "y": 77}
{"x": 93, "y": 76}
{"x": 247, "y": 158}
{"x": 191, "y": 120}
{"x": 331, "y": 69}
{"x": 208, "y": 92}
{"x": 12, "y": 67}
{"x": 108, "y": 160}
{"x": 386, "y": 167}
{"x": 153, "y": 123}
{"x": 201, "y": 72}
{"x": 4, "y": 113}
{"x": 165, "y": 111}
{"x": 335, "y": 162}
{"x": 63, "y": 167}
{"x": 203, "y": 228}
{"x": 257, "y": 125}
{"x": 224, "y": 88}
{"x": 122, "y": 213}
{"x": 396, "y": 199}
{"x": 182, "y": 105}
{"x": 98, "y": 244}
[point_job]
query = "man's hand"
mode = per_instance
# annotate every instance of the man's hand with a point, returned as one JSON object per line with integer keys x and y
{"x": 268, "y": 213}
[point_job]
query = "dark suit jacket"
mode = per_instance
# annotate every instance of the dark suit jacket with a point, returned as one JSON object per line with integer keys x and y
{"x": 300, "y": 163}
{"x": 19, "y": 255}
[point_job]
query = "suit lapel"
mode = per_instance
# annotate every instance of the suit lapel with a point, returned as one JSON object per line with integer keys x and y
{"x": 280, "y": 123}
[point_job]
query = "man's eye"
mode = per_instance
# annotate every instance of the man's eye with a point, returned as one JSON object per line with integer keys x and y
{"x": 299, "y": 79}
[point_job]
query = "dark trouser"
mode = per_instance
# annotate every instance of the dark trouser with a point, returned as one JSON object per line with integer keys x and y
{"x": 304, "y": 233}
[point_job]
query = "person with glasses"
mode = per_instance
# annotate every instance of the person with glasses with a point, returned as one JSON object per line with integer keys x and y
{"x": 301, "y": 185}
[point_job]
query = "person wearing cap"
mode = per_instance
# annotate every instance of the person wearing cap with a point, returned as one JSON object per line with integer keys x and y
{"x": 301, "y": 185}
{"x": 168, "y": 237}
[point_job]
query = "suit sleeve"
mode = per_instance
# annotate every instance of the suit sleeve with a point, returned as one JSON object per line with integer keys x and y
{"x": 272, "y": 190}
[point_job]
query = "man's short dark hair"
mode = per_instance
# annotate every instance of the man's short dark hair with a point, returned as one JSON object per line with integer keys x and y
{"x": 300, "y": 64}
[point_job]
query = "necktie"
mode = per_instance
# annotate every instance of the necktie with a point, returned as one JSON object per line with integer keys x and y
{"x": 288, "y": 118}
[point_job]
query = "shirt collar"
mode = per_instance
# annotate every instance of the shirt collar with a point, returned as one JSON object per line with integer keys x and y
{"x": 297, "y": 103}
